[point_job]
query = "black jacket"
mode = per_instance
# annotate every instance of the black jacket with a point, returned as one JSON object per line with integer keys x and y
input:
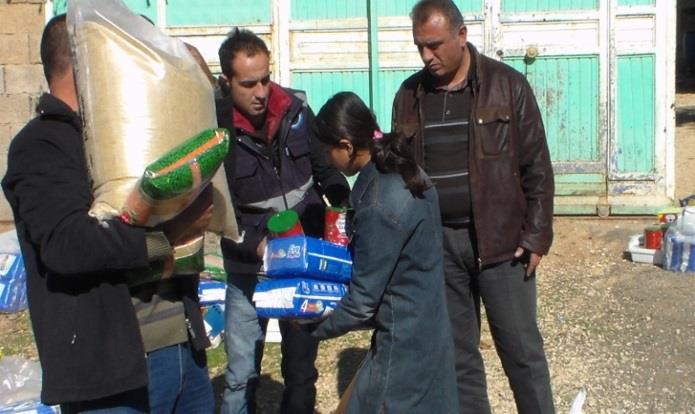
{"x": 84, "y": 324}
{"x": 260, "y": 172}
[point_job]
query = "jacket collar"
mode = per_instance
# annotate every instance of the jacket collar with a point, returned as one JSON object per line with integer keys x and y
{"x": 50, "y": 107}
{"x": 279, "y": 102}
{"x": 367, "y": 175}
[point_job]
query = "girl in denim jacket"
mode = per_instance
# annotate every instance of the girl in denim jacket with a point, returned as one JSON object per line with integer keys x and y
{"x": 397, "y": 286}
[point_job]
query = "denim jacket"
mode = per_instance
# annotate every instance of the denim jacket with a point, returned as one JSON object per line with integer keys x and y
{"x": 397, "y": 289}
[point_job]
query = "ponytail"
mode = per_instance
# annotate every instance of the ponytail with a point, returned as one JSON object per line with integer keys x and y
{"x": 391, "y": 153}
{"x": 345, "y": 115}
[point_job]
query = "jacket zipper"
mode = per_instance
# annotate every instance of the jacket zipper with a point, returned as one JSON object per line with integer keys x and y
{"x": 190, "y": 329}
{"x": 471, "y": 156}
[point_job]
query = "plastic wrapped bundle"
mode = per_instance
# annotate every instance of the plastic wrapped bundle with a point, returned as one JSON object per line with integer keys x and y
{"x": 13, "y": 283}
{"x": 302, "y": 256}
{"x": 13, "y": 275}
{"x": 141, "y": 94}
{"x": 173, "y": 181}
{"x": 297, "y": 298}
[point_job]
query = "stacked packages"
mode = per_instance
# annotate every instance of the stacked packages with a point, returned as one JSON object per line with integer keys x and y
{"x": 679, "y": 242}
{"x": 308, "y": 278}
{"x": 212, "y": 295}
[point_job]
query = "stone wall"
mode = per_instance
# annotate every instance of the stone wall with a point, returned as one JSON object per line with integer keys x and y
{"x": 21, "y": 74}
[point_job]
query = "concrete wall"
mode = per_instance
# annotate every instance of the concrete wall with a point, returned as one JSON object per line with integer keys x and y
{"x": 21, "y": 75}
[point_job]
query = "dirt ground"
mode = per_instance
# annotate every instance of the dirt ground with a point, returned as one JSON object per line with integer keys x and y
{"x": 623, "y": 332}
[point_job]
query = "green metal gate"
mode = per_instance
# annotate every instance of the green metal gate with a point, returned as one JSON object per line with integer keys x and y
{"x": 593, "y": 65}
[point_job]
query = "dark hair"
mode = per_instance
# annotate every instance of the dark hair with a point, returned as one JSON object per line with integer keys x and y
{"x": 55, "y": 48}
{"x": 345, "y": 116}
{"x": 424, "y": 9}
{"x": 240, "y": 40}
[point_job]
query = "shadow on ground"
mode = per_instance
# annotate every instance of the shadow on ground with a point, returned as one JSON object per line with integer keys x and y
{"x": 269, "y": 394}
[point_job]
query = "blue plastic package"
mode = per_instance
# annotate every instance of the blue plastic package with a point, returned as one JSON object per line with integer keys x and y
{"x": 211, "y": 292}
{"x": 13, "y": 286}
{"x": 297, "y": 298}
{"x": 213, "y": 319}
{"x": 308, "y": 257}
{"x": 29, "y": 407}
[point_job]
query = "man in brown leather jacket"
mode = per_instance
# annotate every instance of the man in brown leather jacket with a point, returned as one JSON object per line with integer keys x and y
{"x": 477, "y": 131}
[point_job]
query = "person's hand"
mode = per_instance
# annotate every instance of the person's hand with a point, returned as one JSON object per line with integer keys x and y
{"x": 529, "y": 259}
{"x": 260, "y": 249}
{"x": 191, "y": 222}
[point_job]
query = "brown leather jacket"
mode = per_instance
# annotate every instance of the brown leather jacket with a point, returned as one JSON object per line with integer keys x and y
{"x": 511, "y": 176}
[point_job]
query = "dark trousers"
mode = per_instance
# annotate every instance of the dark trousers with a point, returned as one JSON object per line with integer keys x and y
{"x": 510, "y": 305}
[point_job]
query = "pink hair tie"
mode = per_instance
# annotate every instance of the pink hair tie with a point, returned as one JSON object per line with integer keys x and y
{"x": 377, "y": 135}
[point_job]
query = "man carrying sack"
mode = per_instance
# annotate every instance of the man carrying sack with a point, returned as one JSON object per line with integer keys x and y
{"x": 101, "y": 345}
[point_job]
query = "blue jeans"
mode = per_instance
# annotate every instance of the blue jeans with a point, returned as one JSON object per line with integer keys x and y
{"x": 178, "y": 383}
{"x": 244, "y": 337}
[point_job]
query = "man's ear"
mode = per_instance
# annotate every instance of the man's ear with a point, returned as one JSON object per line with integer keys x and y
{"x": 463, "y": 35}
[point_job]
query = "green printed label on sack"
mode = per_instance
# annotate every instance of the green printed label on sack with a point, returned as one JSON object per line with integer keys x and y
{"x": 172, "y": 183}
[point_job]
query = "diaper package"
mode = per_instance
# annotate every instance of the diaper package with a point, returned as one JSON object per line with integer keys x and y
{"x": 297, "y": 298}
{"x": 307, "y": 257}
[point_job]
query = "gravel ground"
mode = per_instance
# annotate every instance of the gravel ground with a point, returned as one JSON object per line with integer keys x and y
{"x": 621, "y": 331}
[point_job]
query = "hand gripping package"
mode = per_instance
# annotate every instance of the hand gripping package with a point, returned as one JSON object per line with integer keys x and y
{"x": 309, "y": 277}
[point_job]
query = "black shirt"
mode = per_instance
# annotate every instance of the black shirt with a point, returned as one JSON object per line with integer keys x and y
{"x": 446, "y": 117}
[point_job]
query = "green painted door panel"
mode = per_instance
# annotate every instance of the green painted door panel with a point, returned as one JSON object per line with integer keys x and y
{"x": 635, "y": 114}
{"x": 579, "y": 184}
{"x": 389, "y": 81}
{"x": 60, "y": 6}
{"x": 567, "y": 92}
{"x": 144, "y": 7}
{"x": 514, "y": 6}
{"x": 328, "y": 9}
{"x": 343, "y": 9}
{"x": 403, "y": 7}
{"x": 636, "y": 2}
{"x": 217, "y": 12}
{"x": 320, "y": 86}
